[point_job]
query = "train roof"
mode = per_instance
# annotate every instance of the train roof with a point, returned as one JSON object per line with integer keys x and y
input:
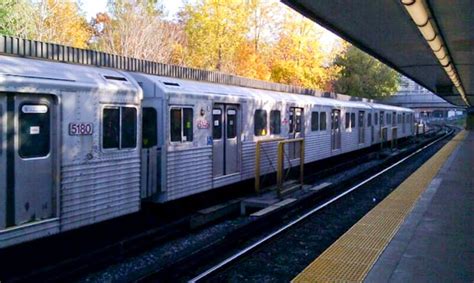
{"x": 89, "y": 76}
{"x": 174, "y": 85}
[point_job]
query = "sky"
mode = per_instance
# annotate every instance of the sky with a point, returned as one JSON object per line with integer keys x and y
{"x": 92, "y": 7}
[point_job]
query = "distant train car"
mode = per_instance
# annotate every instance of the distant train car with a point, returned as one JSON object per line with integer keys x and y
{"x": 70, "y": 147}
{"x": 81, "y": 144}
{"x": 202, "y": 136}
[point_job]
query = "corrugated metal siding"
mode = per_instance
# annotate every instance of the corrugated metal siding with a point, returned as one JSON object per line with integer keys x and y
{"x": 317, "y": 146}
{"x": 188, "y": 172}
{"x": 99, "y": 190}
{"x": 268, "y": 159}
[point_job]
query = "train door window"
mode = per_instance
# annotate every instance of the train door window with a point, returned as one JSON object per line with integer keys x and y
{"x": 111, "y": 125}
{"x": 369, "y": 120}
{"x": 353, "y": 120}
{"x": 394, "y": 118}
{"x": 382, "y": 117}
{"x": 275, "y": 122}
{"x": 34, "y": 126}
{"x": 361, "y": 119}
{"x": 175, "y": 124}
{"x": 216, "y": 124}
{"x": 129, "y": 127}
{"x": 119, "y": 127}
{"x": 187, "y": 124}
{"x": 322, "y": 121}
{"x": 231, "y": 123}
{"x": 260, "y": 120}
{"x": 181, "y": 124}
{"x": 299, "y": 119}
{"x": 314, "y": 121}
{"x": 376, "y": 118}
{"x": 348, "y": 120}
{"x": 149, "y": 127}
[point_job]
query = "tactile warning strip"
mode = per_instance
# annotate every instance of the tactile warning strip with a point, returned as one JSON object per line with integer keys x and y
{"x": 351, "y": 257}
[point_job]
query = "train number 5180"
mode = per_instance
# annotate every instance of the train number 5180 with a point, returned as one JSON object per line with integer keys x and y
{"x": 80, "y": 129}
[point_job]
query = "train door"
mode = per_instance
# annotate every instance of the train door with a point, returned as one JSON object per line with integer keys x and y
{"x": 29, "y": 157}
{"x": 225, "y": 139}
{"x": 361, "y": 127}
{"x": 336, "y": 129}
{"x": 370, "y": 126}
{"x": 3, "y": 160}
{"x": 403, "y": 123}
{"x": 151, "y": 151}
{"x": 296, "y": 130}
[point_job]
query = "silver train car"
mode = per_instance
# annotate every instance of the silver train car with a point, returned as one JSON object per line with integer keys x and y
{"x": 83, "y": 144}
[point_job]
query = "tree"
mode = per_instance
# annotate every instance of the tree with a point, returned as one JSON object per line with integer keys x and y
{"x": 60, "y": 21}
{"x": 136, "y": 28}
{"x": 16, "y": 18}
{"x": 297, "y": 57}
{"x": 364, "y": 76}
{"x": 214, "y": 31}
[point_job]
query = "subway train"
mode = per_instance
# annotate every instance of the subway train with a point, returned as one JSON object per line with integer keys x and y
{"x": 82, "y": 144}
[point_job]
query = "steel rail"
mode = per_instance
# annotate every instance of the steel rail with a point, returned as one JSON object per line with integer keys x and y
{"x": 306, "y": 215}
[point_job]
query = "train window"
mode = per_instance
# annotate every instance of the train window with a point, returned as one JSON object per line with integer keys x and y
{"x": 275, "y": 122}
{"x": 181, "y": 124}
{"x": 382, "y": 116}
{"x": 216, "y": 124}
{"x": 187, "y": 124}
{"x": 376, "y": 118}
{"x": 111, "y": 131}
{"x": 231, "y": 123}
{"x": 314, "y": 121}
{"x": 399, "y": 118}
{"x": 34, "y": 136}
{"x": 369, "y": 120}
{"x": 175, "y": 124}
{"x": 353, "y": 120}
{"x": 394, "y": 118}
{"x": 361, "y": 119}
{"x": 260, "y": 120}
{"x": 298, "y": 120}
{"x": 119, "y": 127}
{"x": 322, "y": 121}
{"x": 348, "y": 120}
{"x": 149, "y": 127}
{"x": 129, "y": 127}
{"x": 389, "y": 119}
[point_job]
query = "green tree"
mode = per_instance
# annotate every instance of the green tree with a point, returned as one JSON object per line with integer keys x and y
{"x": 362, "y": 75}
{"x": 16, "y": 18}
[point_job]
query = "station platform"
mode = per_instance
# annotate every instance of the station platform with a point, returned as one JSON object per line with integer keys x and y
{"x": 422, "y": 232}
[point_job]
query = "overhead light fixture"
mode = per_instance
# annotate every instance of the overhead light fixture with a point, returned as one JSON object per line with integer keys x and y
{"x": 420, "y": 15}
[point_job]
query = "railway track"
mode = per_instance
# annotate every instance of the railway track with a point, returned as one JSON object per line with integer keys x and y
{"x": 115, "y": 251}
{"x": 247, "y": 262}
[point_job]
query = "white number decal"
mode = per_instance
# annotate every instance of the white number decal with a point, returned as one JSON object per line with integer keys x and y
{"x": 80, "y": 129}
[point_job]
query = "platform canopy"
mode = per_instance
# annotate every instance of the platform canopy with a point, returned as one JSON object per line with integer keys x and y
{"x": 399, "y": 37}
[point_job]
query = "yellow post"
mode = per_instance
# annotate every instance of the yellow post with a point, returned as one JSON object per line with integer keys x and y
{"x": 257, "y": 168}
{"x": 302, "y": 163}
{"x": 280, "y": 163}
{"x": 257, "y": 161}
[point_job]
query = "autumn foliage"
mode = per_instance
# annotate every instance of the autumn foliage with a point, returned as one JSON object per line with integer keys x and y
{"x": 261, "y": 39}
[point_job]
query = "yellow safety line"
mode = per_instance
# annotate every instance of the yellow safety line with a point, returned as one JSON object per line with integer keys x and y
{"x": 351, "y": 257}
